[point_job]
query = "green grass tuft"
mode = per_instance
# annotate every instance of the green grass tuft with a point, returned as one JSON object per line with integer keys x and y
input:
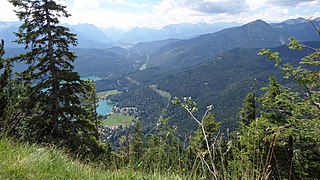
{"x": 102, "y": 95}
{"x": 117, "y": 120}
{"x": 143, "y": 67}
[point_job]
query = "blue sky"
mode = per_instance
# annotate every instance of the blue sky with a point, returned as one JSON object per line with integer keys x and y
{"x": 126, "y": 14}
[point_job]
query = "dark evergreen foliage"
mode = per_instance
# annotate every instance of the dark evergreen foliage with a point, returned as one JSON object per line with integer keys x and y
{"x": 7, "y": 109}
{"x": 3, "y": 84}
{"x": 248, "y": 110}
{"x": 136, "y": 143}
{"x": 211, "y": 129}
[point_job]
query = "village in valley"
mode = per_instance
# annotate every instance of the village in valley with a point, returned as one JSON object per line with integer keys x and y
{"x": 116, "y": 120}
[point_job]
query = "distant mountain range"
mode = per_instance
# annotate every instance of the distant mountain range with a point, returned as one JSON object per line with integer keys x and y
{"x": 257, "y": 34}
{"x": 177, "y": 31}
{"x": 185, "y": 53}
{"x": 90, "y": 36}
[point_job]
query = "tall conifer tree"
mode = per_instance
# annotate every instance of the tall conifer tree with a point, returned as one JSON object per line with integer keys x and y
{"x": 248, "y": 110}
{"x": 137, "y": 143}
{"x": 55, "y": 90}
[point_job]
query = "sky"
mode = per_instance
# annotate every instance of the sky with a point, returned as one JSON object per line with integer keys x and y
{"x": 127, "y": 14}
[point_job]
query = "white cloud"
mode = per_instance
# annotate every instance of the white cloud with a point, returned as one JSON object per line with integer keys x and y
{"x": 195, "y": 11}
{"x": 256, "y": 4}
{"x": 317, "y": 14}
{"x": 309, "y": 4}
{"x": 85, "y": 4}
{"x": 289, "y": 2}
{"x": 6, "y": 10}
{"x": 106, "y": 13}
{"x": 274, "y": 14}
{"x": 103, "y": 18}
{"x": 217, "y": 6}
{"x": 124, "y": 2}
{"x": 207, "y": 6}
{"x": 192, "y": 11}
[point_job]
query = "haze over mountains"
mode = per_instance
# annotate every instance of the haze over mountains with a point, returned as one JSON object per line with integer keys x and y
{"x": 211, "y": 64}
{"x": 91, "y": 36}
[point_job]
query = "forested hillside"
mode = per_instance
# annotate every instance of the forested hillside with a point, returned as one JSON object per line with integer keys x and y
{"x": 222, "y": 81}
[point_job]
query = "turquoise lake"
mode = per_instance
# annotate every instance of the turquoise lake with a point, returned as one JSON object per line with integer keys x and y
{"x": 104, "y": 107}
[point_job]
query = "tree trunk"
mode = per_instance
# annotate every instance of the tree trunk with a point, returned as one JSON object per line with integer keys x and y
{"x": 55, "y": 82}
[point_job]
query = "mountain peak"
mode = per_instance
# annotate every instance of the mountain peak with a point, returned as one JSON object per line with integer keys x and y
{"x": 299, "y": 20}
{"x": 258, "y": 22}
{"x": 84, "y": 26}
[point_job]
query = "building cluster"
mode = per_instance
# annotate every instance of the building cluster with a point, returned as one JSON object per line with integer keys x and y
{"x": 130, "y": 111}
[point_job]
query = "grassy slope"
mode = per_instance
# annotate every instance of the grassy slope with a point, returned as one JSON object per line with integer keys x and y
{"x": 117, "y": 120}
{"x": 103, "y": 94}
{"x": 143, "y": 67}
{"x": 19, "y": 161}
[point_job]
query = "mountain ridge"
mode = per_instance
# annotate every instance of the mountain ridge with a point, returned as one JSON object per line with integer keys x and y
{"x": 186, "y": 52}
